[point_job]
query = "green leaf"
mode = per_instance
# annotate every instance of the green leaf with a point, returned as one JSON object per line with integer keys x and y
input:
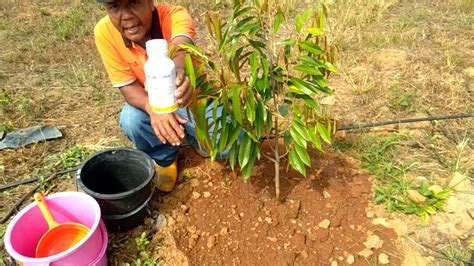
{"x": 315, "y": 140}
{"x": 430, "y": 210}
{"x": 277, "y": 22}
{"x": 330, "y": 67}
{"x": 250, "y": 106}
{"x": 301, "y": 130}
{"x": 253, "y": 60}
{"x": 303, "y": 86}
{"x": 223, "y": 136}
{"x": 308, "y": 70}
{"x": 295, "y": 90}
{"x": 310, "y": 61}
{"x": 424, "y": 216}
{"x": 244, "y": 150}
{"x": 323, "y": 133}
{"x": 311, "y": 47}
{"x": 217, "y": 30}
{"x": 189, "y": 67}
{"x": 443, "y": 194}
{"x": 260, "y": 118}
{"x": 287, "y": 138}
{"x": 241, "y": 12}
{"x": 310, "y": 102}
{"x": 315, "y": 31}
{"x": 303, "y": 155}
{"x": 243, "y": 23}
{"x": 236, "y": 105}
{"x": 296, "y": 163}
{"x": 298, "y": 138}
{"x": 257, "y": 44}
{"x": 247, "y": 169}
{"x": 299, "y": 23}
{"x": 233, "y": 156}
{"x": 289, "y": 42}
{"x": 233, "y": 136}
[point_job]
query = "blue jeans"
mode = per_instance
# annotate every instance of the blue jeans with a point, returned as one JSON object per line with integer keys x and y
{"x": 137, "y": 126}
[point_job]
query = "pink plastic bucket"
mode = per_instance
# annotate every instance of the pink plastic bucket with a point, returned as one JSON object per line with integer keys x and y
{"x": 27, "y": 227}
{"x": 101, "y": 260}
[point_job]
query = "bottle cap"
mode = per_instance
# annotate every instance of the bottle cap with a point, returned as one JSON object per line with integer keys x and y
{"x": 157, "y": 47}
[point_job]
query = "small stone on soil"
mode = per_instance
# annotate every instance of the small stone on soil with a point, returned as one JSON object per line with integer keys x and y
{"x": 211, "y": 242}
{"x": 233, "y": 206}
{"x": 268, "y": 220}
{"x": 224, "y": 231}
{"x": 184, "y": 208}
{"x": 191, "y": 229}
{"x": 207, "y": 194}
{"x": 324, "y": 223}
{"x": 194, "y": 182}
{"x": 196, "y": 195}
{"x": 366, "y": 253}
{"x": 193, "y": 240}
{"x": 304, "y": 254}
{"x": 260, "y": 219}
{"x": 373, "y": 241}
{"x": 334, "y": 263}
{"x": 383, "y": 258}
{"x": 370, "y": 214}
{"x": 171, "y": 221}
{"x": 273, "y": 239}
{"x": 326, "y": 194}
{"x": 350, "y": 259}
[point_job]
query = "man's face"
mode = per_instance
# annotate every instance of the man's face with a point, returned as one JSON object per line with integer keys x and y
{"x": 132, "y": 18}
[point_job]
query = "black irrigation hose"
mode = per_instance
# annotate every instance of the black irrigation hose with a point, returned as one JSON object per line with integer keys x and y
{"x": 402, "y": 121}
{"x": 33, "y": 179}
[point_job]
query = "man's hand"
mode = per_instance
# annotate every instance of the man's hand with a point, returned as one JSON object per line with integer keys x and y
{"x": 184, "y": 90}
{"x": 168, "y": 127}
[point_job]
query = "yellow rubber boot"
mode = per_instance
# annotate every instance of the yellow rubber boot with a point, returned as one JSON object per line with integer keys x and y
{"x": 166, "y": 176}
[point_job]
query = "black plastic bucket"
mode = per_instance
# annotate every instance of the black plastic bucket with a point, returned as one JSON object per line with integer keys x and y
{"x": 122, "y": 181}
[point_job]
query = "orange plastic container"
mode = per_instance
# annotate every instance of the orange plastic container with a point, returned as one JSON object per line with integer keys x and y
{"x": 59, "y": 237}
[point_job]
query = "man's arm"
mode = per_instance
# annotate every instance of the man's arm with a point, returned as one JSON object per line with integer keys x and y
{"x": 167, "y": 127}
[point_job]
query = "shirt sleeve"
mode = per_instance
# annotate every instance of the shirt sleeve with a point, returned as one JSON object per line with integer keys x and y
{"x": 118, "y": 70}
{"x": 176, "y": 21}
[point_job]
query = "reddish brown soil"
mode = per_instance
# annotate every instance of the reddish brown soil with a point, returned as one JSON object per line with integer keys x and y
{"x": 217, "y": 218}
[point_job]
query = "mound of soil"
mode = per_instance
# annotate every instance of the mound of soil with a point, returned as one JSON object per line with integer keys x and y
{"x": 217, "y": 218}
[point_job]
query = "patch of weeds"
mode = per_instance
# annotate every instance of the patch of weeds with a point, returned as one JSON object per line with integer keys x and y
{"x": 457, "y": 167}
{"x": 146, "y": 257}
{"x": 4, "y": 99}
{"x": 25, "y": 106}
{"x": 455, "y": 254}
{"x": 3, "y": 254}
{"x": 404, "y": 23}
{"x": 380, "y": 155}
{"x": 399, "y": 99}
{"x": 186, "y": 176}
{"x": 75, "y": 24}
{"x": 98, "y": 94}
{"x": 6, "y": 126}
{"x": 72, "y": 157}
{"x": 42, "y": 12}
{"x": 420, "y": 200}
